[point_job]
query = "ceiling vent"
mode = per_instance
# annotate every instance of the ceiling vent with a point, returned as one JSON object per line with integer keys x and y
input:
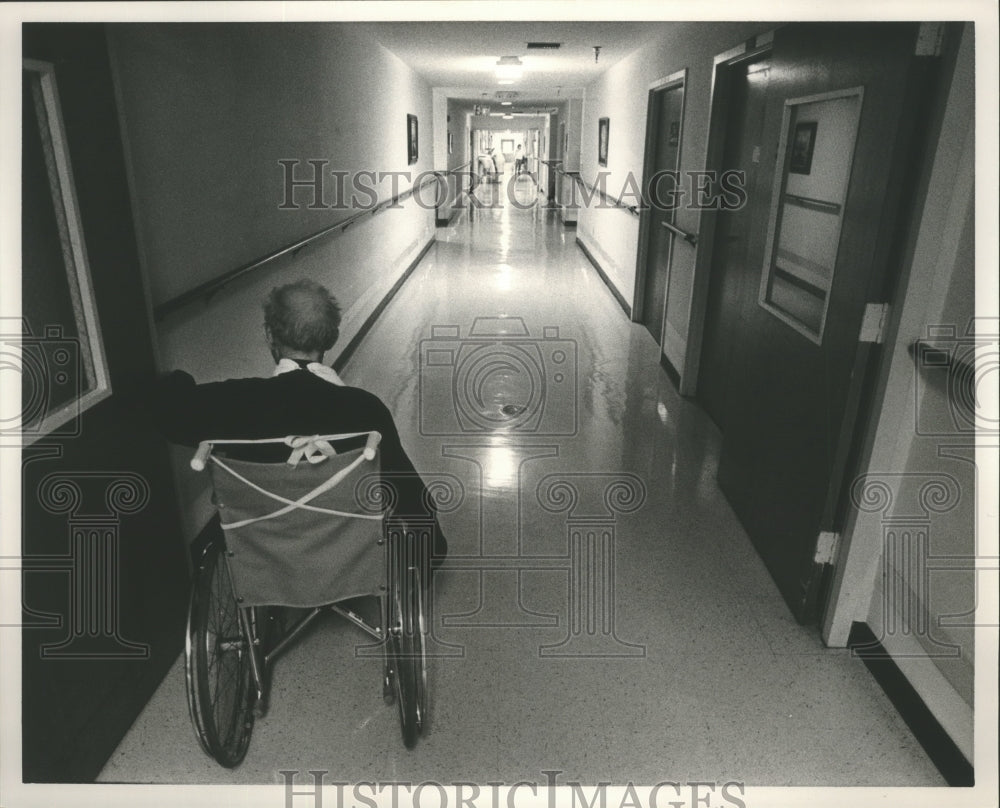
{"x": 544, "y": 45}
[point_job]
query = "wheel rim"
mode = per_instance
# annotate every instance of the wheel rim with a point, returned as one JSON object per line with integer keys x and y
{"x": 219, "y": 665}
{"x": 420, "y": 661}
{"x": 403, "y": 670}
{"x": 191, "y": 676}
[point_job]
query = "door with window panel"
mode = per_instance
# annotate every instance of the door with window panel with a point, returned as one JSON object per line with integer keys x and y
{"x": 842, "y": 131}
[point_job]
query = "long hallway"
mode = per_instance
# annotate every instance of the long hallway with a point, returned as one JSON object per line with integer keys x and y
{"x": 601, "y": 612}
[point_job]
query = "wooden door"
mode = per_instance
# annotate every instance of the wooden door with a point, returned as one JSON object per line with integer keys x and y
{"x": 842, "y": 105}
{"x": 105, "y": 576}
{"x": 562, "y": 195}
{"x": 732, "y": 290}
{"x": 663, "y": 143}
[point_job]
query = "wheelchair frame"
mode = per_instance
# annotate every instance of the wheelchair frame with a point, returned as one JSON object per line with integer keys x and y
{"x": 230, "y": 648}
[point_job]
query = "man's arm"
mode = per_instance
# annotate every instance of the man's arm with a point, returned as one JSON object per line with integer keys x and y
{"x": 186, "y": 413}
{"x": 414, "y": 501}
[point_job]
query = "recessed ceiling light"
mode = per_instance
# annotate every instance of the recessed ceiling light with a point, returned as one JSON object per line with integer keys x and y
{"x": 509, "y": 67}
{"x": 506, "y": 103}
{"x": 505, "y": 81}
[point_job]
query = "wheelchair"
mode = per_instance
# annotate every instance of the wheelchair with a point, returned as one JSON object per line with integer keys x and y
{"x": 303, "y": 535}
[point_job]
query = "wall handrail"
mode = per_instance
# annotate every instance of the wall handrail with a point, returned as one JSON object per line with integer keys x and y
{"x": 593, "y": 189}
{"x": 952, "y": 370}
{"x": 210, "y": 288}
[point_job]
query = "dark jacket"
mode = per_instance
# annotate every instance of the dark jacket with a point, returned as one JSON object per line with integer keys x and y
{"x": 293, "y": 403}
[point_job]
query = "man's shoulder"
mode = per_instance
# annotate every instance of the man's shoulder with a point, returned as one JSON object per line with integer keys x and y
{"x": 291, "y": 379}
{"x": 305, "y": 383}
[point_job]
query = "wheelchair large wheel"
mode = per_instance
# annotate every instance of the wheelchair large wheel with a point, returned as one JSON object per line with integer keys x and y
{"x": 218, "y": 667}
{"x": 409, "y": 658}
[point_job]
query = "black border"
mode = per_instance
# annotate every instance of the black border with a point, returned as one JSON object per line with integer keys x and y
{"x": 938, "y": 745}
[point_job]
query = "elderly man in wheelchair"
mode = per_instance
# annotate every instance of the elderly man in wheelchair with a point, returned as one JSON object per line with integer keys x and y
{"x": 319, "y": 506}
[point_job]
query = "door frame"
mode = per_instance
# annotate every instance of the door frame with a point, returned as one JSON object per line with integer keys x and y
{"x": 860, "y": 550}
{"x": 671, "y": 82}
{"x": 723, "y": 63}
{"x": 560, "y": 160}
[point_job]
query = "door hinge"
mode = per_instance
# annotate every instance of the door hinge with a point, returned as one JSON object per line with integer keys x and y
{"x": 826, "y": 547}
{"x": 873, "y": 323}
{"x": 929, "y": 39}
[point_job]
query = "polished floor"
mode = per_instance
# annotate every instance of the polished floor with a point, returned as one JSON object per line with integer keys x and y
{"x": 602, "y": 613}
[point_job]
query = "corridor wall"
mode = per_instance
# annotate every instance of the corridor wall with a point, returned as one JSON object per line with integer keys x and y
{"x": 906, "y": 569}
{"x": 208, "y": 111}
{"x": 611, "y": 234}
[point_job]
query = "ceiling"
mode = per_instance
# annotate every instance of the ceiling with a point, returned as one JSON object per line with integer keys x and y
{"x": 460, "y": 57}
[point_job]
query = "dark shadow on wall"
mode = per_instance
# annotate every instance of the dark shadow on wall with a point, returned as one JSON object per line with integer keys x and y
{"x": 106, "y": 579}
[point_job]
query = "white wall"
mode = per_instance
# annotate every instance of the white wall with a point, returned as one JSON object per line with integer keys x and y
{"x": 930, "y": 615}
{"x": 439, "y": 101}
{"x": 612, "y": 234}
{"x": 921, "y": 475}
{"x": 208, "y": 110}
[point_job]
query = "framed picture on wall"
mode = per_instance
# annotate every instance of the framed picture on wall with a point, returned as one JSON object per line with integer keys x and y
{"x": 411, "y": 139}
{"x": 803, "y": 142}
{"x": 602, "y": 141}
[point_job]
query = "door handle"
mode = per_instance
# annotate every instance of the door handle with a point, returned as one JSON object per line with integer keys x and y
{"x": 690, "y": 238}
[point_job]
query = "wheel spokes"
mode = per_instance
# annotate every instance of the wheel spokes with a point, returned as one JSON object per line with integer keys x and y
{"x": 219, "y": 664}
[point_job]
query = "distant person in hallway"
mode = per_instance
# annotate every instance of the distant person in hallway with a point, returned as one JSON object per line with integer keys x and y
{"x": 302, "y": 397}
{"x": 488, "y": 166}
{"x": 520, "y": 161}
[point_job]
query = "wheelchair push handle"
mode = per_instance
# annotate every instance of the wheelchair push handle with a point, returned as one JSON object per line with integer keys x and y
{"x": 371, "y": 445}
{"x": 201, "y": 456}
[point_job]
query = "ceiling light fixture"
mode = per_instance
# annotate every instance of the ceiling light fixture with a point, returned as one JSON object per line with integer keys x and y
{"x": 506, "y": 103}
{"x": 509, "y": 69}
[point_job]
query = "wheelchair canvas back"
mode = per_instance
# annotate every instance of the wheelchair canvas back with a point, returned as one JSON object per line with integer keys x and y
{"x": 302, "y": 533}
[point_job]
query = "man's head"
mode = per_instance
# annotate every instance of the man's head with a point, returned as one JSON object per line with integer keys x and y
{"x": 302, "y": 320}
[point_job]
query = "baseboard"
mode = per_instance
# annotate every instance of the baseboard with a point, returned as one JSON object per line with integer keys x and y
{"x": 938, "y": 745}
{"x": 345, "y": 355}
{"x": 604, "y": 277}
